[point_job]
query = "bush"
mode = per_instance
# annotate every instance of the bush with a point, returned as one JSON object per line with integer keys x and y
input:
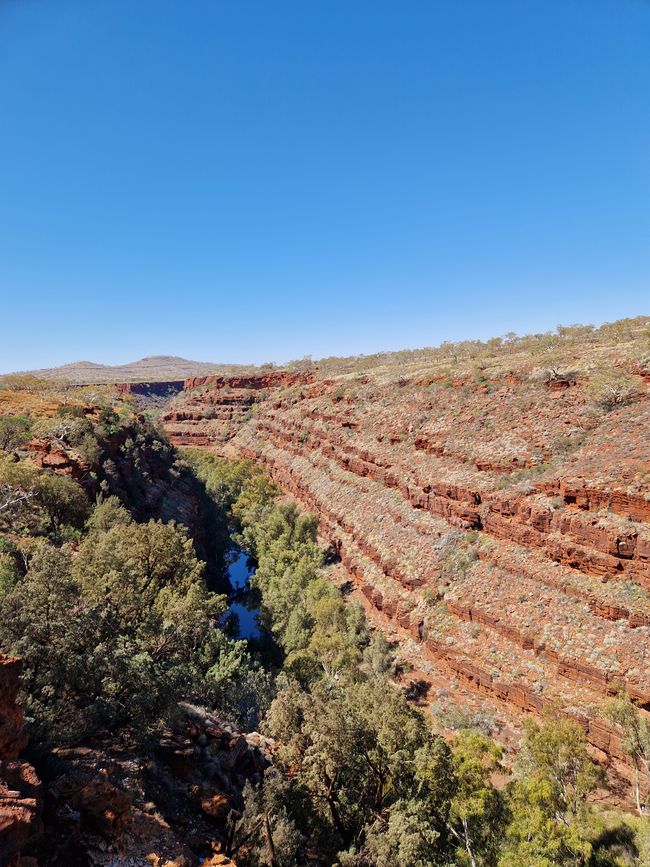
{"x": 613, "y": 389}
{"x": 14, "y": 432}
{"x": 63, "y": 501}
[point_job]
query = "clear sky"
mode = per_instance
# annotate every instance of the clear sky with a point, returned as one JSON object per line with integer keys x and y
{"x": 259, "y": 180}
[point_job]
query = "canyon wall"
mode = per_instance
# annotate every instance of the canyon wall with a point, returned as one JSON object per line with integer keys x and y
{"x": 148, "y": 389}
{"x": 497, "y": 526}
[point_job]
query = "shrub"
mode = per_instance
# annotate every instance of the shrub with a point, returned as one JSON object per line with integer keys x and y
{"x": 612, "y": 389}
{"x": 14, "y": 432}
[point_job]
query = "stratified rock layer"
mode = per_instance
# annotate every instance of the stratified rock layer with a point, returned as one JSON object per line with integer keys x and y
{"x": 499, "y": 526}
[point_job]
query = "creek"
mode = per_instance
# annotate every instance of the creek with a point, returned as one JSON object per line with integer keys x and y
{"x": 240, "y": 572}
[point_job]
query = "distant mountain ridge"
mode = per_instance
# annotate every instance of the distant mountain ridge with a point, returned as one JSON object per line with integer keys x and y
{"x": 153, "y": 368}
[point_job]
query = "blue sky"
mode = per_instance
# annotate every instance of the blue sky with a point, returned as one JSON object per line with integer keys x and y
{"x": 253, "y": 180}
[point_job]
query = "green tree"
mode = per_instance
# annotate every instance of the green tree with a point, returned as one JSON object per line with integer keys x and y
{"x": 63, "y": 502}
{"x": 265, "y": 834}
{"x": 288, "y": 562}
{"x": 478, "y": 814}
{"x": 636, "y": 740}
{"x": 536, "y": 836}
{"x": 148, "y": 573}
{"x": 557, "y": 751}
{"x": 44, "y": 621}
{"x": 14, "y": 432}
{"x": 39, "y": 501}
{"x": 550, "y": 817}
{"x": 107, "y": 514}
{"x": 352, "y": 748}
{"x": 230, "y": 681}
{"x": 111, "y": 638}
{"x": 407, "y": 835}
{"x": 333, "y": 642}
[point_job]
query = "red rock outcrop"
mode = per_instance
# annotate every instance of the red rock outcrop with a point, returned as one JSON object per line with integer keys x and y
{"x": 12, "y": 736}
{"x": 106, "y": 803}
{"x": 20, "y": 788}
{"x": 51, "y": 455}
{"x": 256, "y": 381}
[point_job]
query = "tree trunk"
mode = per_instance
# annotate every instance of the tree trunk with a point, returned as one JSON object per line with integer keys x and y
{"x": 269, "y": 840}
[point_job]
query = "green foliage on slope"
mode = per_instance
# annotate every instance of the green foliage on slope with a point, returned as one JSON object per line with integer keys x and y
{"x": 112, "y": 617}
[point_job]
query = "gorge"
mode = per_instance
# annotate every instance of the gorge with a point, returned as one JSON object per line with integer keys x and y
{"x": 493, "y": 519}
{"x": 331, "y": 553}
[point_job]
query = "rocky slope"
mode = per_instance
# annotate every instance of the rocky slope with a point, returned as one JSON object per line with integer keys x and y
{"x": 492, "y": 510}
{"x": 105, "y": 805}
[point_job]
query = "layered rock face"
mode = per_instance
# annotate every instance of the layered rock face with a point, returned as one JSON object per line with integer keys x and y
{"x": 213, "y": 407}
{"x": 497, "y": 526}
{"x": 20, "y": 788}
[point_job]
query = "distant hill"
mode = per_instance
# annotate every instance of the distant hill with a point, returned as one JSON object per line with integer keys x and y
{"x": 154, "y": 368}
